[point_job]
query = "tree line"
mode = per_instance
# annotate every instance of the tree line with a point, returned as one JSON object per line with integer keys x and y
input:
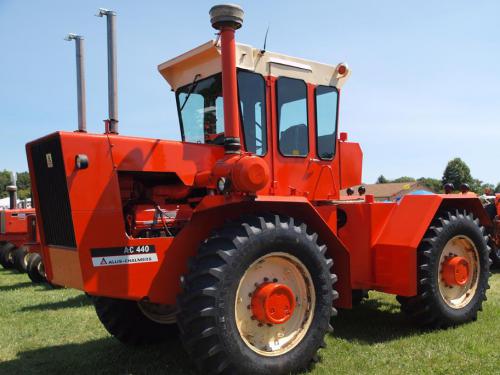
{"x": 456, "y": 172}
{"x": 23, "y": 184}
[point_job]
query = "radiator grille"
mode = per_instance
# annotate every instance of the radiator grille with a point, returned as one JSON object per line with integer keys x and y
{"x": 54, "y": 205}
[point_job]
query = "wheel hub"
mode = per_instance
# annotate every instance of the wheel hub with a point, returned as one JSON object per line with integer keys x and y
{"x": 273, "y": 303}
{"x": 455, "y": 271}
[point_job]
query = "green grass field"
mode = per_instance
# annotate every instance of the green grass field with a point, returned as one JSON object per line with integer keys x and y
{"x": 55, "y": 331}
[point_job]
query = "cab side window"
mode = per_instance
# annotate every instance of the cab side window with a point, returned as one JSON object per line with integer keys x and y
{"x": 326, "y": 100}
{"x": 292, "y": 117}
{"x": 252, "y": 93}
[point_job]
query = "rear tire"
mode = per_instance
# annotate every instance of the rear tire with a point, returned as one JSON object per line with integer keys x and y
{"x": 125, "y": 320}
{"x": 438, "y": 304}
{"x": 20, "y": 257}
{"x": 6, "y": 253}
{"x": 215, "y": 331}
{"x": 35, "y": 269}
{"x": 495, "y": 255}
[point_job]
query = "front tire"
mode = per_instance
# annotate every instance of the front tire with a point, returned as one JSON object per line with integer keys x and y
{"x": 132, "y": 323}
{"x": 20, "y": 258}
{"x": 454, "y": 241}
{"x": 218, "y": 321}
{"x": 35, "y": 269}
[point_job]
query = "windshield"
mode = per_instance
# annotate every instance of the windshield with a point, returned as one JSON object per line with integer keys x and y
{"x": 201, "y": 111}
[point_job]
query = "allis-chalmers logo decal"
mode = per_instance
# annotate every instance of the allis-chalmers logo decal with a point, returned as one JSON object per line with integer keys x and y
{"x": 50, "y": 163}
{"x": 116, "y": 256}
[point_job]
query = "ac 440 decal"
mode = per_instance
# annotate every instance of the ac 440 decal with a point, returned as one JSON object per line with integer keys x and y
{"x": 116, "y": 256}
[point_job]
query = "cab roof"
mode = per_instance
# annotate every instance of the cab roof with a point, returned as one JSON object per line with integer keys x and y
{"x": 205, "y": 60}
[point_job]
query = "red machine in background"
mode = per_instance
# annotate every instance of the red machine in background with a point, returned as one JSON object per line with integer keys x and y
{"x": 14, "y": 232}
{"x": 492, "y": 207}
{"x": 34, "y": 265}
{"x": 237, "y": 233}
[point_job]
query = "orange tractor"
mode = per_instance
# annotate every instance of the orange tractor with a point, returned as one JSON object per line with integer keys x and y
{"x": 14, "y": 232}
{"x": 235, "y": 237}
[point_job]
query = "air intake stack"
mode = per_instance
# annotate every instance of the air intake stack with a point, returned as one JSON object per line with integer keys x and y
{"x": 227, "y": 18}
{"x": 80, "y": 81}
{"x": 12, "y": 190}
{"x": 112, "y": 80}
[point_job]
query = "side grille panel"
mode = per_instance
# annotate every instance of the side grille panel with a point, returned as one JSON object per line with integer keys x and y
{"x": 53, "y": 193}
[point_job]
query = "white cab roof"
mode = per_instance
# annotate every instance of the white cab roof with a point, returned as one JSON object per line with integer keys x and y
{"x": 205, "y": 60}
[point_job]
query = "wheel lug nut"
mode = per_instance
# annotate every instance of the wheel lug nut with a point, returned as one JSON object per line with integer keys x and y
{"x": 252, "y": 317}
{"x": 275, "y": 280}
{"x": 260, "y": 324}
{"x": 266, "y": 279}
{"x": 248, "y": 307}
{"x": 269, "y": 325}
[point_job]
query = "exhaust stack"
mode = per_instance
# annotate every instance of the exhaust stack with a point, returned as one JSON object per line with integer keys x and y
{"x": 12, "y": 190}
{"x": 227, "y": 19}
{"x": 80, "y": 81}
{"x": 112, "y": 82}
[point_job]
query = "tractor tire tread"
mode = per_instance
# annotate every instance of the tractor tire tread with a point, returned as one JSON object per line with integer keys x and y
{"x": 426, "y": 308}
{"x": 200, "y": 305}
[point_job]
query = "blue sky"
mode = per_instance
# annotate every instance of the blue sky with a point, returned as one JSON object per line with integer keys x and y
{"x": 425, "y": 84}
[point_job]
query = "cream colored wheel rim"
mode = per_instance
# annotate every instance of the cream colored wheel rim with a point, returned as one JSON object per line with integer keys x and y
{"x": 273, "y": 340}
{"x": 162, "y": 314}
{"x": 458, "y": 296}
{"x": 41, "y": 269}
{"x": 25, "y": 260}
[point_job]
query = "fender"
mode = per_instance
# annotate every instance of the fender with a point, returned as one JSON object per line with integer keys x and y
{"x": 214, "y": 210}
{"x": 395, "y": 257}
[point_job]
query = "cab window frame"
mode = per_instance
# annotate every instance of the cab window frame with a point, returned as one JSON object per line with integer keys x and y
{"x": 278, "y": 122}
{"x": 335, "y": 134}
{"x": 263, "y": 108}
{"x": 179, "y": 113}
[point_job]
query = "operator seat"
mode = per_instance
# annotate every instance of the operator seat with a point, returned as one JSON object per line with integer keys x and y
{"x": 294, "y": 141}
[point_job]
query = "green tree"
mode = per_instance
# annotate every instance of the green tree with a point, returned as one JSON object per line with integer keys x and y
{"x": 23, "y": 181}
{"x": 404, "y": 179}
{"x": 458, "y": 173}
{"x": 497, "y": 188}
{"x": 432, "y": 183}
{"x": 382, "y": 180}
{"x": 23, "y": 184}
{"x": 4, "y": 181}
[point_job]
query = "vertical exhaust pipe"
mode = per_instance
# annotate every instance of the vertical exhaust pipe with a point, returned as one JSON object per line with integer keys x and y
{"x": 80, "y": 81}
{"x": 227, "y": 19}
{"x": 112, "y": 81}
{"x": 12, "y": 190}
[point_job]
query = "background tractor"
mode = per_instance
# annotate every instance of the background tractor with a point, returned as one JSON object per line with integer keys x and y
{"x": 34, "y": 264}
{"x": 236, "y": 237}
{"x": 14, "y": 232}
{"x": 492, "y": 207}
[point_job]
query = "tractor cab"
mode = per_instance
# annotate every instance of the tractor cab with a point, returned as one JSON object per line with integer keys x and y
{"x": 288, "y": 112}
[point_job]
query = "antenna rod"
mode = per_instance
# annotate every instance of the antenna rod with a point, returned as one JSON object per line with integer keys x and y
{"x": 112, "y": 81}
{"x": 80, "y": 81}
